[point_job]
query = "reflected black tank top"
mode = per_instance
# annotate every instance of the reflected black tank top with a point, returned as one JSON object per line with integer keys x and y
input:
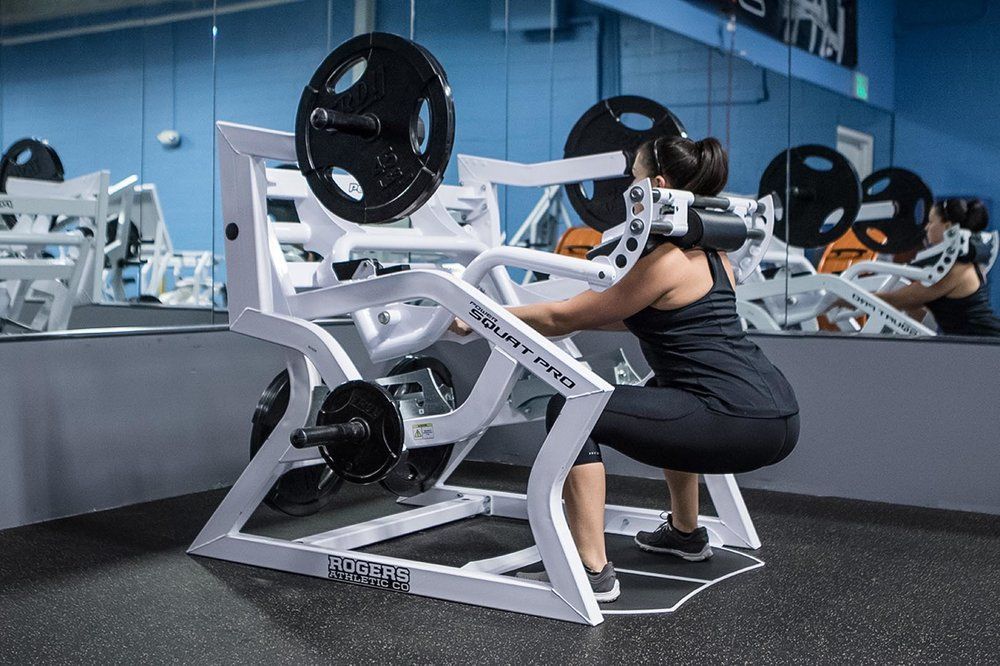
{"x": 970, "y": 315}
{"x": 702, "y": 348}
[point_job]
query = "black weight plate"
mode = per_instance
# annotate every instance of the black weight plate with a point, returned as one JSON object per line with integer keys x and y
{"x": 395, "y": 176}
{"x": 299, "y": 492}
{"x": 913, "y": 200}
{"x": 601, "y": 130}
{"x": 375, "y": 457}
{"x": 822, "y": 182}
{"x": 420, "y": 468}
{"x": 29, "y": 158}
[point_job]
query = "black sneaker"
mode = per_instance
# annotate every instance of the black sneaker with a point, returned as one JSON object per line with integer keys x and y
{"x": 668, "y": 541}
{"x": 604, "y": 583}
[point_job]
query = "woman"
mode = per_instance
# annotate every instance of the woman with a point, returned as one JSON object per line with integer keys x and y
{"x": 716, "y": 405}
{"x": 960, "y": 301}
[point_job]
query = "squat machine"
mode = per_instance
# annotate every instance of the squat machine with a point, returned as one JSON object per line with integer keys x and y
{"x": 360, "y": 430}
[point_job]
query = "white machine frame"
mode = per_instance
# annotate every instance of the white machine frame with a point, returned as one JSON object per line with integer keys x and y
{"x": 60, "y": 282}
{"x": 193, "y": 279}
{"x": 157, "y": 248}
{"x": 99, "y": 284}
{"x": 190, "y": 271}
{"x": 121, "y": 207}
{"x": 265, "y": 303}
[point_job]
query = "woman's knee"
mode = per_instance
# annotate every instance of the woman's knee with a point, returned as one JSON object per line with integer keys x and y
{"x": 555, "y": 406}
{"x": 590, "y": 452}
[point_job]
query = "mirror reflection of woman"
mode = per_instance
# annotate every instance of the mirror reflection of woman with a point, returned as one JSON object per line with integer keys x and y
{"x": 960, "y": 301}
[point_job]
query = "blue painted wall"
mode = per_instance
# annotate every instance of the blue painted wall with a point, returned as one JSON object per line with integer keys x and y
{"x": 101, "y": 99}
{"x": 947, "y": 83}
{"x": 876, "y": 52}
{"x": 516, "y": 94}
{"x": 816, "y": 113}
{"x": 875, "y": 43}
{"x": 685, "y": 75}
{"x": 948, "y": 80}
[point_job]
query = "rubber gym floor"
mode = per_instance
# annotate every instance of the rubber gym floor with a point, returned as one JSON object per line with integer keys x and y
{"x": 845, "y": 582}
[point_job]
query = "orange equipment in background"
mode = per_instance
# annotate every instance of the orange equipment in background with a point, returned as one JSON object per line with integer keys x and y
{"x": 840, "y": 255}
{"x": 577, "y": 241}
{"x": 844, "y": 252}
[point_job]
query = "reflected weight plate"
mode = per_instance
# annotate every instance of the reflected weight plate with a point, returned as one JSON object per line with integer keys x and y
{"x": 420, "y": 468}
{"x": 29, "y": 158}
{"x": 399, "y": 168}
{"x": 913, "y": 200}
{"x": 299, "y": 492}
{"x": 823, "y": 185}
{"x": 601, "y": 129}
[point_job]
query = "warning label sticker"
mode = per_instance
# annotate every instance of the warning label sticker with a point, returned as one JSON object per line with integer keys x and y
{"x": 423, "y": 431}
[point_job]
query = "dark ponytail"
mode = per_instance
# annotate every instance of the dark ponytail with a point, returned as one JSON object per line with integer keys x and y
{"x": 969, "y": 214}
{"x": 701, "y": 167}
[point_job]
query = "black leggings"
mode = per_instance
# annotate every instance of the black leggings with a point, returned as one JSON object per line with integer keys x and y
{"x": 673, "y": 429}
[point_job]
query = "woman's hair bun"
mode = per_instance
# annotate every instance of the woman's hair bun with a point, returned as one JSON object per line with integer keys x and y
{"x": 977, "y": 218}
{"x": 969, "y": 214}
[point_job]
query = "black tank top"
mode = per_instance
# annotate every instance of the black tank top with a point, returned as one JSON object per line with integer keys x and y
{"x": 702, "y": 348}
{"x": 970, "y": 315}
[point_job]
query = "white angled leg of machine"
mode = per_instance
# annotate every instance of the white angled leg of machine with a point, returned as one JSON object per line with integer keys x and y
{"x": 732, "y": 511}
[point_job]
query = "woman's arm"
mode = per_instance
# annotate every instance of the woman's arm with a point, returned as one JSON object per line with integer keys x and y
{"x": 652, "y": 277}
{"x": 915, "y": 295}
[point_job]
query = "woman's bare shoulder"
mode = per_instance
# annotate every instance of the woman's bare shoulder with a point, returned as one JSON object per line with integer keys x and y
{"x": 961, "y": 280}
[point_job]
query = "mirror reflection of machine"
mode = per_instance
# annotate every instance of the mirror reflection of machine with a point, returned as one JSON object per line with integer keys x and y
{"x": 44, "y": 273}
{"x": 47, "y": 273}
{"x": 168, "y": 275}
{"x": 868, "y": 236}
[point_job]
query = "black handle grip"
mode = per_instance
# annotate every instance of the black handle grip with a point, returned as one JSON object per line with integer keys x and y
{"x": 710, "y": 202}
